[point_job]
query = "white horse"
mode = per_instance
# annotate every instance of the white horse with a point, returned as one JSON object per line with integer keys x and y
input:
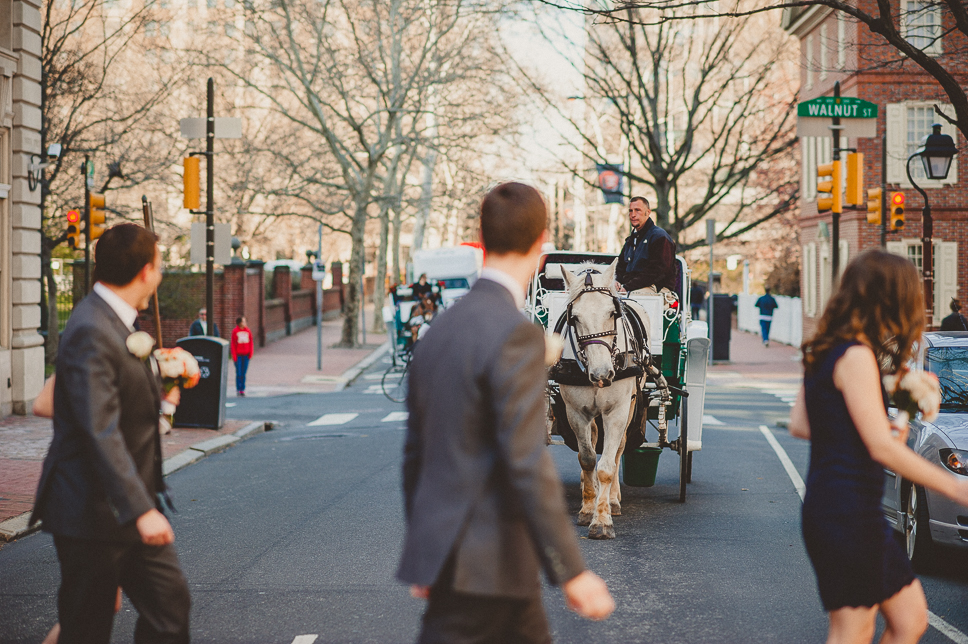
{"x": 599, "y": 337}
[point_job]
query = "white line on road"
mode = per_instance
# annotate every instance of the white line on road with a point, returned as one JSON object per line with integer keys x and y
{"x": 942, "y": 626}
{"x": 711, "y": 420}
{"x": 374, "y": 389}
{"x": 395, "y": 416}
{"x": 305, "y": 639}
{"x": 333, "y": 419}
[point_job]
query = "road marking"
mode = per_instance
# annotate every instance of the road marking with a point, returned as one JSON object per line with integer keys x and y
{"x": 395, "y": 416}
{"x": 711, "y": 420}
{"x": 373, "y": 376}
{"x": 785, "y": 461}
{"x": 374, "y": 389}
{"x": 230, "y": 404}
{"x": 333, "y": 419}
{"x": 305, "y": 639}
{"x": 939, "y": 624}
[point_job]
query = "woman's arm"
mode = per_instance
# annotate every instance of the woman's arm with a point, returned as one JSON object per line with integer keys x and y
{"x": 858, "y": 378}
{"x": 799, "y": 421}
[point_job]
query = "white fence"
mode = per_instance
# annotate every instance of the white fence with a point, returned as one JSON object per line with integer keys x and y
{"x": 787, "y": 324}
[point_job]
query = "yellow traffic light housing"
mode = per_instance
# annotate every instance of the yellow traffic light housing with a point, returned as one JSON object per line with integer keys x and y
{"x": 874, "y": 209}
{"x": 855, "y": 179}
{"x": 74, "y": 228}
{"x": 833, "y": 202}
{"x": 192, "y": 184}
{"x": 95, "y": 203}
{"x": 897, "y": 210}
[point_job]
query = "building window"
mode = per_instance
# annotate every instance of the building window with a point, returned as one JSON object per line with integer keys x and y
{"x": 841, "y": 41}
{"x": 815, "y": 151}
{"x": 945, "y": 260}
{"x": 922, "y": 25}
{"x": 810, "y": 279}
{"x": 809, "y": 62}
{"x": 907, "y": 124}
{"x": 824, "y": 46}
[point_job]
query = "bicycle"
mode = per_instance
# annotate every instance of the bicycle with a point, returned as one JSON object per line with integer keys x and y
{"x": 396, "y": 377}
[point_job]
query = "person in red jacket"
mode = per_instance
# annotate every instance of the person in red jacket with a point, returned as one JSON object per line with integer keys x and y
{"x": 241, "y": 348}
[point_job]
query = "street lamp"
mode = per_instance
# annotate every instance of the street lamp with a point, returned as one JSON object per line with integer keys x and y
{"x": 936, "y": 152}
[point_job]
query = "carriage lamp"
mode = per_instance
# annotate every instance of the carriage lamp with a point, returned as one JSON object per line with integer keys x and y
{"x": 955, "y": 460}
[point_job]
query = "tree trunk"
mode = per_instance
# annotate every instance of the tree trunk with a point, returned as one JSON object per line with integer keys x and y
{"x": 49, "y": 304}
{"x": 349, "y": 338}
{"x": 397, "y": 269}
{"x": 379, "y": 290}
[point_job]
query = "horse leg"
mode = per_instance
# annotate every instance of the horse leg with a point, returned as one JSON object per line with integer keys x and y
{"x": 615, "y": 494}
{"x": 615, "y": 421}
{"x": 589, "y": 484}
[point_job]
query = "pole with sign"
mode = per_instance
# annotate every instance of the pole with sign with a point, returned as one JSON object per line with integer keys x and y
{"x": 710, "y": 239}
{"x": 319, "y": 274}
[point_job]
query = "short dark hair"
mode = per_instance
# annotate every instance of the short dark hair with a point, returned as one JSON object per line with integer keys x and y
{"x": 513, "y": 216}
{"x": 238, "y": 320}
{"x": 121, "y": 253}
{"x": 642, "y": 199}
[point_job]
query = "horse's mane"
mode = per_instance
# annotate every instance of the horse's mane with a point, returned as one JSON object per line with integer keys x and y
{"x": 597, "y": 280}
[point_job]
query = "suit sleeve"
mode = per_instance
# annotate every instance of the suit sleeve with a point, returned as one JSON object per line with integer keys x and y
{"x": 518, "y": 381}
{"x": 412, "y": 450}
{"x": 89, "y": 379}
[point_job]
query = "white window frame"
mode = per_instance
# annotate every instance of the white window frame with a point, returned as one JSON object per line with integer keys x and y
{"x": 824, "y": 46}
{"x": 841, "y": 41}
{"x": 897, "y": 144}
{"x": 808, "y": 57}
{"x": 945, "y": 258}
{"x": 810, "y": 279}
{"x": 909, "y": 14}
{"x": 815, "y": 150}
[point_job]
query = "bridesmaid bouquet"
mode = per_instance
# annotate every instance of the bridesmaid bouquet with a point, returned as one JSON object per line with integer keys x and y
{"x": 178, "y": 368}
{"x": 913, "y": 391}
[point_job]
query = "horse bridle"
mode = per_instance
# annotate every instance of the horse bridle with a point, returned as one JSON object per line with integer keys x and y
{"x": 583, "y": 341}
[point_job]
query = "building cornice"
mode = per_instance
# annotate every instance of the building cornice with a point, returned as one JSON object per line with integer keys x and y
{"x": 801, "y": 24}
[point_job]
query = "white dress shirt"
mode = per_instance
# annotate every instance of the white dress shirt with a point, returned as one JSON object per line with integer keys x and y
{"x": 127, "y": 313}
{"x": 507, "y": 282}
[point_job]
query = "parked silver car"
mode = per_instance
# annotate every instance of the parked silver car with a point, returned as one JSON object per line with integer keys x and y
{"x": 927, "y": 518}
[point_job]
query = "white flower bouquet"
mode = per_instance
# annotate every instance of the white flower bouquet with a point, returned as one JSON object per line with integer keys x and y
{"x": 914, "y": 391}
{"x": 178, "y": 368}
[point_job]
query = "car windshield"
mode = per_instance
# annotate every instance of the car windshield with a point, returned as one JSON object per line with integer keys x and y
{"x": 456, "y": 282}
{"x": 950, "y": 364}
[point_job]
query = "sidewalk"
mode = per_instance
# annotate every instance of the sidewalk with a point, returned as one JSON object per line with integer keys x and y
{"x": 748, "y": 358}
{"x": 284, "y": 367}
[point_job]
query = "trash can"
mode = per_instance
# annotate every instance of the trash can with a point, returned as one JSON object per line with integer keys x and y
{"x": 204, "y": 404}
{"x": 722, "y": 325}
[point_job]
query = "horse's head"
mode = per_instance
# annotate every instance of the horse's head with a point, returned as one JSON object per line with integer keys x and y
{"x": 591, "y": 293}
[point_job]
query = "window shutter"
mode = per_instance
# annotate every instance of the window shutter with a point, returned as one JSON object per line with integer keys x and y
{"x": 844, "y": 255}
{"x": 897, "y": 248}
{"x": 946, "y": 277}
{"x": 810, "y": 278}
{"x": 896, "y": 120}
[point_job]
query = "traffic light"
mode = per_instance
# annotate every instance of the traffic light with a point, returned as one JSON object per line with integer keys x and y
{"x": 855, "y": 179}
{"x": 831, "y": 186}
{"x": 192, "y": 183}
{"x": 74, "y": 228}
{"x": 874, "y": 206}
{"x": 897, "y": 210}
{"x": 95, "y": 203}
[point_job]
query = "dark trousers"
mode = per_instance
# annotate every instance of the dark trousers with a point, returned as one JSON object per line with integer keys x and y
{"x": 150, "y": 576}
{"x": 460, "y": 618}
{"x": 765, "y": 329}
{"x": 241, "y": 366}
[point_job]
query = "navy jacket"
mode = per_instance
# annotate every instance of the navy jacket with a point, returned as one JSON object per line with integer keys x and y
{"x": 648, "y": 258}
{"x": 766, "y": 304}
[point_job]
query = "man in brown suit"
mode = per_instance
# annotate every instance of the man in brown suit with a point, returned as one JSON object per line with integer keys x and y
{"x": 485, "y": 507}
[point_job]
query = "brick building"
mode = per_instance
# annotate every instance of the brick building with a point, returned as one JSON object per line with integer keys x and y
{"x": 833, "y": 48}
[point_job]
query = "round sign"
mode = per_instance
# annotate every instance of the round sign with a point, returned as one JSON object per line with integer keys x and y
{"x": 609, "y": 180}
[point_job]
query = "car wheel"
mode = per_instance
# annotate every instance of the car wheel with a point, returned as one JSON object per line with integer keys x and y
{"x": 917, "y": 533}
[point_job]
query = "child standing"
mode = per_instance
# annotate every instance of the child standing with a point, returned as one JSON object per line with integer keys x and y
{"x": 241, "y": 348}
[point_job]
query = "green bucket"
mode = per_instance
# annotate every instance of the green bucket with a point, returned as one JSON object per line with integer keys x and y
{"x": 639, "y": 466}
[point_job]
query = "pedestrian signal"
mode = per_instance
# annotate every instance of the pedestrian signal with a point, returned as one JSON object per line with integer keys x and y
{"x": 192, "y": 181}
{"x": 855, "y": 179}
{"x": 832, "y": 186}
{"x": 897, "y": 210}
{"x": 96, "y": 205}
{"x": 74, "y": 228}
{"x": 874, "y": 206}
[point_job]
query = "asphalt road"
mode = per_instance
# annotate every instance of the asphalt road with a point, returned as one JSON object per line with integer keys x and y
{"x": 297, "y": 532}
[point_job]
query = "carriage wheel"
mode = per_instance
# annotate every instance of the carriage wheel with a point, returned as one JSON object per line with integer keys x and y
{"x": 684, "y": 455}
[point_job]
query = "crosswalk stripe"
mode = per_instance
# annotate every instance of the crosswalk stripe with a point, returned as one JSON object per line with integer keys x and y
{"x": 333, "y": 419}
{"x": 395, "y": 416}
{"x": 305, "y": 639}
{"x": 374, "y": 389}
{"x": 711, "y": 420}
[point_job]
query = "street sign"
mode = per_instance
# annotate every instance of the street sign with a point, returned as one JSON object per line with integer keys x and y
{"x": 319, "y": 271}
{"x": 223, "y": 243}
{"x": 838, "y": 106}
{"x": 226, "y": 127}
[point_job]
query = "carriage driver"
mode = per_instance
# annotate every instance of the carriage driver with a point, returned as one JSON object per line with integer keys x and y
{"x": 648, "y": 258}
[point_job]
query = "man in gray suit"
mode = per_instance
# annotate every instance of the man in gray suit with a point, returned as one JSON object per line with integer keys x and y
{"x": 100, "y": 488}
{"x": 485, "y": 507}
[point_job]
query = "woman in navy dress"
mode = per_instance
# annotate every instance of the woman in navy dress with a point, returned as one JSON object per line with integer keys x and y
{"x": 871, "y": 322}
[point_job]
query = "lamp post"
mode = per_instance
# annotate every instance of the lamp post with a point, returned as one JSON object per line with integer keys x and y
{"x": 936, "y": 152}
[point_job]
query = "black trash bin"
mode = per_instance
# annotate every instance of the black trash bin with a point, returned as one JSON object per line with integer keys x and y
{"x": 204, "y": 404}
{"x": 722, "y": 325}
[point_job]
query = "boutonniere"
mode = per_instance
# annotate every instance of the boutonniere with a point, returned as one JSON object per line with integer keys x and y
{"x": 914, "y": 391}
{"x": 140, "y": 344}
{"x": 554, "y": 345}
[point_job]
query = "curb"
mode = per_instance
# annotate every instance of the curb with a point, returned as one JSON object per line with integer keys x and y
{"x": 353, "y": 372}
{"x": 17, "y": 527}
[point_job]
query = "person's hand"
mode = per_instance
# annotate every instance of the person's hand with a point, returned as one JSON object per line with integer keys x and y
{"x": 419, "y": 592}
{"x": 174, "y": 396}
{"x": 620, "y": 288}
{"x": 154, "y": 529}
{"x": 587, "y": 595}
{"x": 900, "y": 429}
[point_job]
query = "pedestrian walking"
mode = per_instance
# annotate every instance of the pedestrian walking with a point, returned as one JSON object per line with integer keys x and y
{"x": 956, "y": 321}
{"x": 101, "y": 481}
{"x": 766, "y": 304}
{"x": 871, "y": 322}
{"x": 485, "y": 508}
{"x": 200, "y": 326}
{"x": 697, "y": 294}
{"x": 241, "y": 348}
